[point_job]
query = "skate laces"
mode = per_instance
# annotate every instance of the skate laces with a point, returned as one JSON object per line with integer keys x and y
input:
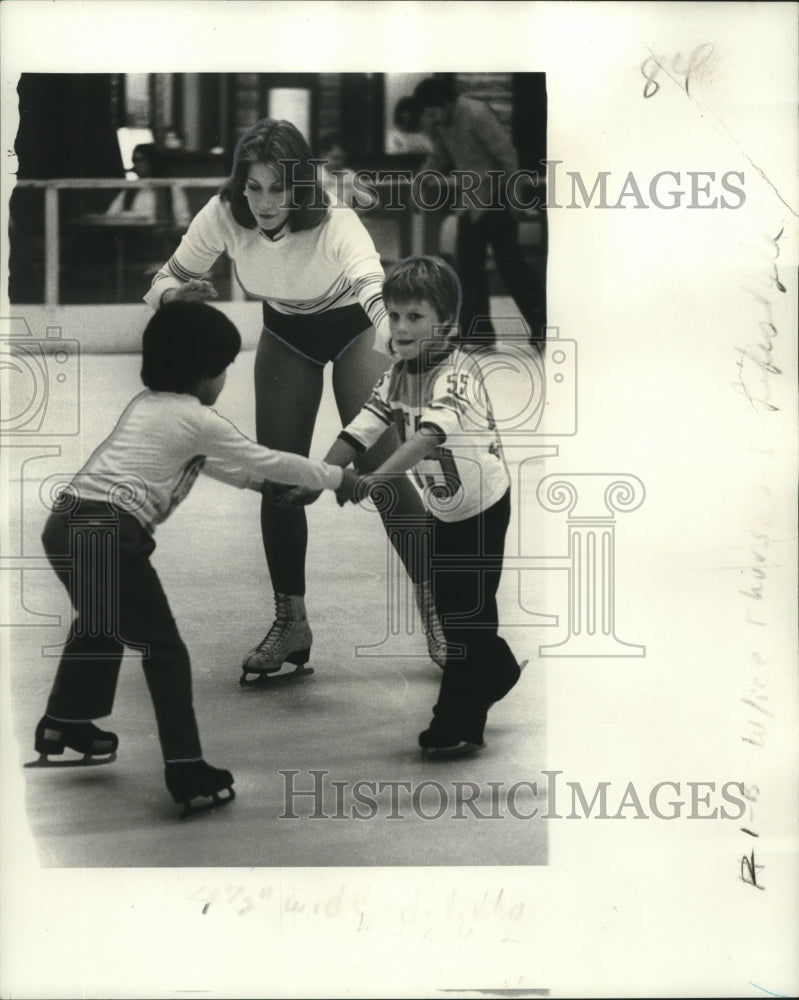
{"x": 276, "y": 634}
{"x": 424, "y": 601}
{"x": 430, "y": 620}
{"x": 279, "y": 629}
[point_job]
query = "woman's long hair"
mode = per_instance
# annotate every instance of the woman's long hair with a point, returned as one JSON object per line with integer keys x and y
{"x": 277, "y": 144}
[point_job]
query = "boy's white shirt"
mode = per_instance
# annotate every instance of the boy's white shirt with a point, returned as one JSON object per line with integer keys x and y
{"x": 163, "y": 440}
{"x": 451, "y": 397}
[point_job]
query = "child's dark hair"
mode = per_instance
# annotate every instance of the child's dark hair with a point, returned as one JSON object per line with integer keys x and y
{"x": 185, "y": 342}
{"x": 425, "y": 278}
{"x": 277, "y": 144}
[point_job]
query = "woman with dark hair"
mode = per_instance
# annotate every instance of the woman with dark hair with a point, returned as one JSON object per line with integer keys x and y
{"x": 317, "y": 272}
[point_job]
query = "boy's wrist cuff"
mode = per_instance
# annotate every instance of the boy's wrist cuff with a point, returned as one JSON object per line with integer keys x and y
{"x": 352, "y": 442}
{"x": 336, "y": 475}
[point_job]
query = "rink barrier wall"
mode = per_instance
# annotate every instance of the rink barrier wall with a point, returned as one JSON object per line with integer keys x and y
{"x": 116, "y": 329}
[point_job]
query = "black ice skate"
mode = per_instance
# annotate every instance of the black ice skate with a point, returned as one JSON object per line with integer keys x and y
{"x": 52, "y": 737}
{"x": 288, "y": 641}
{"x": 437, "y": 743}
{"x": 502, "y": 694}
{"x": 198, "y": 780}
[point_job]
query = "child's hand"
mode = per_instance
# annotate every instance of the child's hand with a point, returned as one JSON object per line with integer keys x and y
{"x": 346, "y": 492}
{"x": 365, "y": 486}
{"x": 297, "y": 496}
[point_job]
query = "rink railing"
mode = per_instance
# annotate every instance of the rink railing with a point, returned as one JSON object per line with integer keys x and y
{"x": 415, "y": 228}
{"x": 52, "y": 228}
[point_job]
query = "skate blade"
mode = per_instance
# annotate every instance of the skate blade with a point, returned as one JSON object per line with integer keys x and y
{"x": 86, "y": 761}
{"x": 260, "y": 678}
{"x": 447, "y": 753}
{"x": 216, "y": 801}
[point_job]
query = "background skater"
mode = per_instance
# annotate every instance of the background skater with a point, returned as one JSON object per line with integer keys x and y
{"x": 466, "y": 135}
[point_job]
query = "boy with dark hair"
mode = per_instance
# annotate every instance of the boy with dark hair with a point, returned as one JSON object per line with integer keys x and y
{"x": 98, "y": 539}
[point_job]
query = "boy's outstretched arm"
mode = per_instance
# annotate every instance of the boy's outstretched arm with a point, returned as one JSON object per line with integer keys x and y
{"x": 341, "y": 453}
{"x": 409, "y": 453}
{"x": 425, "y": 440}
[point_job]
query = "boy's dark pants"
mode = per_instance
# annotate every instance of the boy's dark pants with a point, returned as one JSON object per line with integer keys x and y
{"x": 467, "y": 565}
{"x": 102, "y": 556}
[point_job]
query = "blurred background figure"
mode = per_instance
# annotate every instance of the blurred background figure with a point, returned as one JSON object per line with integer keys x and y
{"x": 172, "y": 138}
{"x": 335, "y": 176}
{"x": 405, "y": 137}
{"x": 153, "y": 204}
{"x": 78, "y": 128}
{"x": 143, "y": 221}
{"x": 466, "y": 135}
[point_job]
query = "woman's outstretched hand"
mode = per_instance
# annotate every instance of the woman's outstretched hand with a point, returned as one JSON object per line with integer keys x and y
{"x": 196, "y": 290}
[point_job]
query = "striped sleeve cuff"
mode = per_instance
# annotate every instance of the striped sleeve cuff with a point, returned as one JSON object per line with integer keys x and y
{"x": 353, "y": 442}
{"x": 335, "y": 474}
{"x": 428, "y": 425}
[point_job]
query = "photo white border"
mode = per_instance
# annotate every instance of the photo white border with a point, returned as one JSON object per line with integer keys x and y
{"x": 622, "y": 909}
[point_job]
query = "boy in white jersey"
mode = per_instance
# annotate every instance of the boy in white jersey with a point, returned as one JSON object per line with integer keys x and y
{"x": 98, "y": 539}
{"x": 435, "y": 396}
